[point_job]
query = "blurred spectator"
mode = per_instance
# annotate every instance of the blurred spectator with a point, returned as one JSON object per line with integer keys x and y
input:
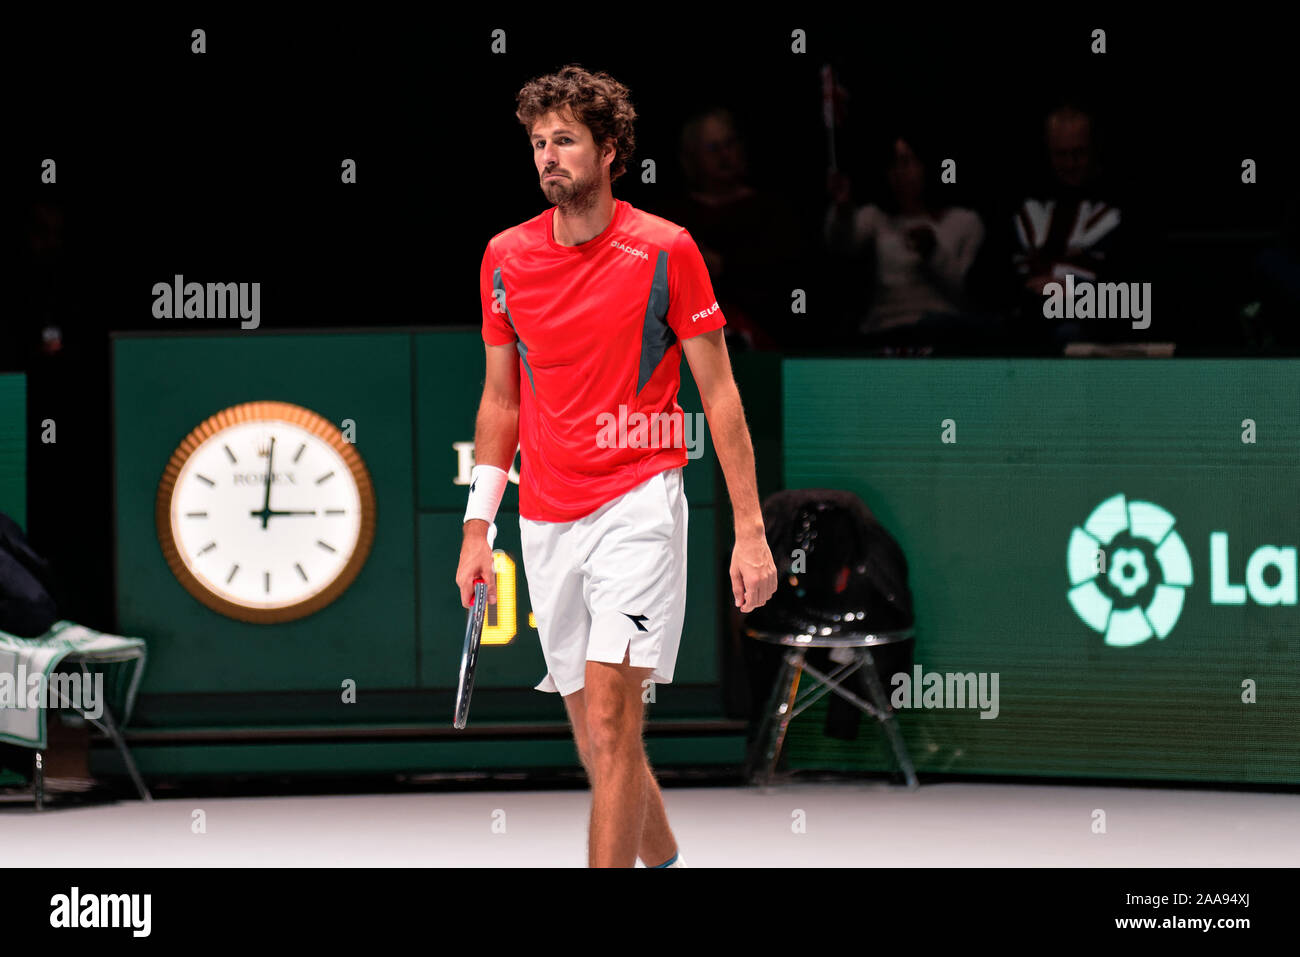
{"x": 1272, "y": 317}
{"x": 36, "y": 326}
{"x": 1072, "y": 222}
{"x": 62, "y": 346}
{"x": 919, "y": 248}
{"x": 750, "y": 238}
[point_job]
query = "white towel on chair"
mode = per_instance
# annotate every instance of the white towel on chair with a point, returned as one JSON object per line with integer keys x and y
{"x": 21, "y": 657}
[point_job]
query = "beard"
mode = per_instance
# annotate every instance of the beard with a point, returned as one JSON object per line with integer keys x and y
{"x": 573, "y": 196}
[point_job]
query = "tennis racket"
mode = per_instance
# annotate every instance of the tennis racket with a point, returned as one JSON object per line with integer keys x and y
{"x": 469, "y": 652}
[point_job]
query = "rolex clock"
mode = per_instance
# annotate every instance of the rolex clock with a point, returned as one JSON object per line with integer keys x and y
{"x": 265, "y": 513}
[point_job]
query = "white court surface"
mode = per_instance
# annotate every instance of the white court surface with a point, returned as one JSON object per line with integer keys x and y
{"x": 851, "y": 824}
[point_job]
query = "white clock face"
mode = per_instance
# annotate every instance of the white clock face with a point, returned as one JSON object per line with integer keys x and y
{"x": 260, "y": 545}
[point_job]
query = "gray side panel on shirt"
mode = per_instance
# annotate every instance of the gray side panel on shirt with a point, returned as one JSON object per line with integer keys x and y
{"x": 498, "y": 285}
{"x": 656, "y": 335}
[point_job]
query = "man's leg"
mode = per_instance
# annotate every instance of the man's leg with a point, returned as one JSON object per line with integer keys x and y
{"x": 656, "y": 843}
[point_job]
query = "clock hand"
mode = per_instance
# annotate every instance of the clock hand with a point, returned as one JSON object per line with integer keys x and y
{"x": 292, "y": 512}
{"x": 266, "y": 502}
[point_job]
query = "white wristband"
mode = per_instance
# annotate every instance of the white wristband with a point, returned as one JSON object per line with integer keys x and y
{"x": 487, "y": 485}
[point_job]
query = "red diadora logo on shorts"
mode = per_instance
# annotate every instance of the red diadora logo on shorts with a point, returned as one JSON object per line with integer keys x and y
{"x": 706, "y": 313}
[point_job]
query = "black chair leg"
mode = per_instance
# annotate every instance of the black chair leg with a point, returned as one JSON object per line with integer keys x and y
{"x": 889, "y": 720}
{"x": 38, "y": 779}
{"x": 776, "y": 719}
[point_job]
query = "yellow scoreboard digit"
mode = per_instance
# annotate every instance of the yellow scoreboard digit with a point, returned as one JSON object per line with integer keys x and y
{"x": 502, "y": 618}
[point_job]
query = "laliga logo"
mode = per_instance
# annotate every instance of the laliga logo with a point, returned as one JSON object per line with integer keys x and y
{"x": 1113, "y": 602}
{"x": 1142, "y": 592}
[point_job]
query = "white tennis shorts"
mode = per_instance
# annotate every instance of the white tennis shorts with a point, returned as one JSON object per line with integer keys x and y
{"x": 611, "y": 584}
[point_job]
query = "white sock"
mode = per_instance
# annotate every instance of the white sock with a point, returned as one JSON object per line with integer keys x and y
{"x": 675, "y": 861}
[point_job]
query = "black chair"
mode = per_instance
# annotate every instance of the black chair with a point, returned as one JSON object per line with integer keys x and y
{"x": 842, "y": 586}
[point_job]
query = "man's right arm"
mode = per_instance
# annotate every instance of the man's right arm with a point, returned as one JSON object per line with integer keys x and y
{"x": 496, "y": 439}
{"x": 496, "y": 430}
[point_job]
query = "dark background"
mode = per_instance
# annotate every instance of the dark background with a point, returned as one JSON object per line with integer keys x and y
{"x": 225, "y": 167}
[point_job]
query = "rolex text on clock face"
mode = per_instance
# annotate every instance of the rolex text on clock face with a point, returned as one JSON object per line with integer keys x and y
{"x": 266, "y": 514}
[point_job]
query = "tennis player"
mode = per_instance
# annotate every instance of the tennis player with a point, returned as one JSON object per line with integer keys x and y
{"x": 587, "y": 310}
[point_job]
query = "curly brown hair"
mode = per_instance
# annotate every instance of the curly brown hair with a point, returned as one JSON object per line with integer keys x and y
{"x": 596, "y": 100}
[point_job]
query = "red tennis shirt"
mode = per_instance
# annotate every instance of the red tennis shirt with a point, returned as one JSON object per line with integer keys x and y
{"x": 598, "y": 329}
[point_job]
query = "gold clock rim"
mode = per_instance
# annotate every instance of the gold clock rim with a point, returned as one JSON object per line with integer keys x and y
{"x": 257, "y": 411}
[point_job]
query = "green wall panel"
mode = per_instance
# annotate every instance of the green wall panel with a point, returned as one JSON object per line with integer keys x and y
{"x": 391, "y": 757}
{"x": 986, "y": 520}
{"x": 13, "y": 447}
{"x": 163, "y": 388}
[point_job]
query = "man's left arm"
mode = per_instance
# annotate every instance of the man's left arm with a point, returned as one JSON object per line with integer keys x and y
{"x": 753, "y": 574}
